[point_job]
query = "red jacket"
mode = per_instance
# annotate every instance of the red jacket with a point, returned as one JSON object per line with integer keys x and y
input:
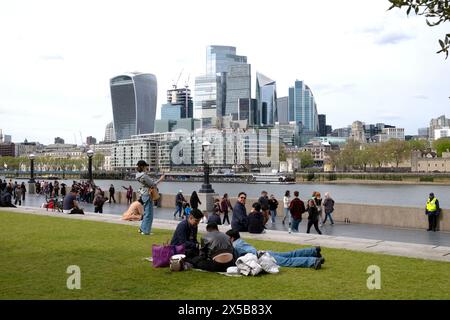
{"x": 297, "y": 207}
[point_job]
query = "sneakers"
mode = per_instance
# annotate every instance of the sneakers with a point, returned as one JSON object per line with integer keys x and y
{"x": 318, "y": 264}
{"x": 290, "y": 230}
{"x": 144, "y": 234}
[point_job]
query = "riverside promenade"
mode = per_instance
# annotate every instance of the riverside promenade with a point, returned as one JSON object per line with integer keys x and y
{"x": 436, "y": 252}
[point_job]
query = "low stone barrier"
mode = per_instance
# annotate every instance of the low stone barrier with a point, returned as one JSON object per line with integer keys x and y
{"x": 392, "y": 216}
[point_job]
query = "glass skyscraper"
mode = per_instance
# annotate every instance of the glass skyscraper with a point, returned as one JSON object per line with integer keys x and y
{"x": 133, "y": 97}
{"x": 266, "y": 96}
{"x": 211, "y": 88}
{"x": 305, "y": 109}
{"x": 238, "y": 86}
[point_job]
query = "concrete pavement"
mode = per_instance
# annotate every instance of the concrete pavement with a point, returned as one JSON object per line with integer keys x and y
{"x": 413, "y": 250}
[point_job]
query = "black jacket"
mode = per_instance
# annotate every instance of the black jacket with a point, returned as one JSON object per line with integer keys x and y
{"x": 185, "y": 234}
{"x": 214, "y": 218}
{"x": 255, "y": 222}
{"x": 194, "y": 201}
{"x": 239, "y": 221}
{"x": 214, "y": 243}
{"x": 273, "y": 204}
{"x": 313, "y": 214}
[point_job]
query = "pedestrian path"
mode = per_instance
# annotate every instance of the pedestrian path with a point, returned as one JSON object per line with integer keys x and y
{"x": 365, "y": 231}
{"x": 413, "y": 250}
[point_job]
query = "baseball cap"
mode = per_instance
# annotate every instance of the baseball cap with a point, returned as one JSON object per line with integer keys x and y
{"x": 142, "y": 163}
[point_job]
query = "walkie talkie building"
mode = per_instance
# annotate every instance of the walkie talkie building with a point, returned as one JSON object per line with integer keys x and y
{"x": 133, "y": 97}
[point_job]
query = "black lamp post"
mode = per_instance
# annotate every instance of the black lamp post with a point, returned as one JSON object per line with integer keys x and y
{"x": 31, "y": 156}
{"x": 206, "y": 186}
{"x": 90, "y": 154}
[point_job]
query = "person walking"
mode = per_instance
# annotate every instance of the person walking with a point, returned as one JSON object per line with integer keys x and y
{"x": 18, "y": 196}
{"x": 194, "y": 200}
{"x": 432, "y": 210}
{"x": 328, "y": 205}
{"x": 318, "y": 201}
{"x": 225, "y": 204}
{"x": 313, "y": 216}
{"x": 179, "y": 201}
{"x": 286, "y": 202}
{"x": 24, "y": 190}
{"x": 273, "y": 206}
{"x": 144, "y": 190}
{"x": 99, "y": 201}
{"x": 112, "y": 191}
{"x": 296, "y": 209}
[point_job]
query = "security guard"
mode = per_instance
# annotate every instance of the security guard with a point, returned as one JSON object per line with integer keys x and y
{"x": 432, "y": 211}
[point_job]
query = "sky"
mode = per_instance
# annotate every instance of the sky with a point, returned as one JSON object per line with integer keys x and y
{"x": 361, "y": 61}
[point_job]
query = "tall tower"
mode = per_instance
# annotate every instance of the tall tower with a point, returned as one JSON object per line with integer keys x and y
{"x": 266, "y": 96}
{"x": 133, "y": 98}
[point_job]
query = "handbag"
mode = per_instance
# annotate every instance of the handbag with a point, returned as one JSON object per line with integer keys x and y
{"x": 154, "y": 193}
{"x": 161, "y": 254}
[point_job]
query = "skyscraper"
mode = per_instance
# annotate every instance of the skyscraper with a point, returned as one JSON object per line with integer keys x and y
{"x": 238, "y": 86}
{"x": 181, "y": 97}
{"x": 133, "y": 98}
{"x": 322, "y": 125}
{"x": 211, "y": 88}
{"x": 110, "y": 135}
{"x": 305, "y": 109}
{"x": 283, "y": 110}
{"x": 266, "y": 96}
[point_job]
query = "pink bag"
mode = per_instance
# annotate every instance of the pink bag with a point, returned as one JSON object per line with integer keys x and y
{"x": 162, "y": 253}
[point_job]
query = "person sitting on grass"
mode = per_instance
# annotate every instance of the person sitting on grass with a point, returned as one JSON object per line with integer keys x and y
{"x": 216, "y": 252}
{"x": 301, "y": 258}
{"x": 135, "y": 212}
{"x": 186, "y": 233}
{"x": 256, "y": 219}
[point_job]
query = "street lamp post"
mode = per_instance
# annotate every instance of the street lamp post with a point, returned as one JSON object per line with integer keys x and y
{"x": 90, "y": 154}
{"x": 31, "y": 182}
{"x": 206, "y": 186}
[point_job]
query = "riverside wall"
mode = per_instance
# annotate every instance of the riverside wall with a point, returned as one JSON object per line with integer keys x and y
{"x": 392, "y": 216}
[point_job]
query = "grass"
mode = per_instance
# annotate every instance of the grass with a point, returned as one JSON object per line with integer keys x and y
{"x": 35, "y": 252}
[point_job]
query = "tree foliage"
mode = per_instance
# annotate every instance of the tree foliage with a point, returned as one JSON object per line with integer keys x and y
{"x": 441, "y": 145}
{"x": 435, "y": 11}
{"x": 306, "y": 159}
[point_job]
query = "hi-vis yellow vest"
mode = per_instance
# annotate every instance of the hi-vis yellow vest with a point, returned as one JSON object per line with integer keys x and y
{"x": 431, "y": 205}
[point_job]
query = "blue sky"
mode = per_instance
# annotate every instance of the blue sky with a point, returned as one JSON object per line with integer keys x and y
{"x": 361, "y": 61}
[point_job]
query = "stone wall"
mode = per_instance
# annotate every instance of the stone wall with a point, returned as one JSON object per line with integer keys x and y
{"x": 402, "y": 217}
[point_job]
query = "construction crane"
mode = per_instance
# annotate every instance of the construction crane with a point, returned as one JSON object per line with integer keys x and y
{"x": 176, "y": 83}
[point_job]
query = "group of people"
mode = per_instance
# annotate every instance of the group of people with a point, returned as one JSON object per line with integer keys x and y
{"x": 218, "y": 251}
{"x": 10, "y": 191}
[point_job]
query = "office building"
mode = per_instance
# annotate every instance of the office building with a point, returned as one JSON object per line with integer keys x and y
{"x": 110, "y": 135}
{"x": 181, "y": 97}
{"x": 248, "y": 111}
{"x": 266, "y": 97}
{"x": 438, "y": 123}
{"x": 133, "y": 98}
{"x": 322, "y": 125}
{"x": 171, "y": 111}
{"x": 238, "y": 86}
{"x": 283, "y": 110}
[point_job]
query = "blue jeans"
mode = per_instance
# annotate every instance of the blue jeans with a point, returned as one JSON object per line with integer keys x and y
{"x": 147, "y": 220}
{"x": 303, "y": 258}
{"x": 287, "y": 214}
{"x": 296, "y": 223}
{"x": 179, "y": 211}
{"x": 273, "y": 213}
{"x": 328, "y": 215}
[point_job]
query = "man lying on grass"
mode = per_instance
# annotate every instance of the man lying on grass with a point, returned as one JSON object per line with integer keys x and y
{"x": 302, "y": 258}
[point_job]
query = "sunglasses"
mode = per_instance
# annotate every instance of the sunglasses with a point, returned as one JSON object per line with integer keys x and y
{"x": 242, "y": 197}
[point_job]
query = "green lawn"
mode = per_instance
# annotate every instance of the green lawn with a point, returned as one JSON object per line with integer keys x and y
{"x": 35, "y": 252}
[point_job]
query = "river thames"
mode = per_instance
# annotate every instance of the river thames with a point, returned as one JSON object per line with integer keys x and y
{"x": 394, "y": 195}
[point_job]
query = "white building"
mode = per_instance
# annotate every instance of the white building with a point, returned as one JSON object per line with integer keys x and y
{"x": 442, "y": 133}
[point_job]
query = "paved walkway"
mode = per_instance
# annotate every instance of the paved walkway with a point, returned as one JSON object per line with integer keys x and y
{"x": 365, "y": 231}
{"x": 422, "y": 251}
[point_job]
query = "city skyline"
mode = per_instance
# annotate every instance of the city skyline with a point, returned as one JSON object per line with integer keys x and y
{"x": 361, "y": 61}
